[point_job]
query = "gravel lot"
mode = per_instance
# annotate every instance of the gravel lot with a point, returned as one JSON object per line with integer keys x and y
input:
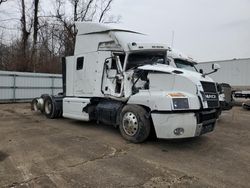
{"x": 38, "y": 152}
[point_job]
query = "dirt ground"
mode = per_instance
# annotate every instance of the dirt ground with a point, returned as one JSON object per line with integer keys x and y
{"x": 37, "y": 152}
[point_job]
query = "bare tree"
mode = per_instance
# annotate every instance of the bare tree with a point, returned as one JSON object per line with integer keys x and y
{"x": 36, "y": 23}
{"x": 25, "y": 32}
{"x": 83, "y": 10}
{"x": 46, "y": 36}
{"x": 35, "y": 33}
{"x": 2, "y": 1}
{"x": 105, "y": 10}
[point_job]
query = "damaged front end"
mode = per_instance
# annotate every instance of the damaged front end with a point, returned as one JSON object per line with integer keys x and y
{"x": 181, "y": 106}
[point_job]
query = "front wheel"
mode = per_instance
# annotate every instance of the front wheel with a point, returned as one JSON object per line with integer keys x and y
{"x": 134, "y": 123}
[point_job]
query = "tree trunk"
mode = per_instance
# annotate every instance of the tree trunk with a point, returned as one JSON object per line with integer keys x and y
{"x": 25, "y": 33}
{"x": 25, "y": 37}
{"x": 2, "y": 1}
{"x": 35, "y": 33}
{"x": 105, "y": 10}
{"x": 75, "y": 19}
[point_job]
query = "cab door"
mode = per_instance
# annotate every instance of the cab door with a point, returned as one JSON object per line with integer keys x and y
{"x": 112, "y": 83}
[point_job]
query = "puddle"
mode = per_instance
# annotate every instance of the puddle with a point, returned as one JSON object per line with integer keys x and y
{"x": 3, "y": 156}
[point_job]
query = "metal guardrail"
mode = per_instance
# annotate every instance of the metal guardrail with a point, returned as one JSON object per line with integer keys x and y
{"x": 19, "y": 86}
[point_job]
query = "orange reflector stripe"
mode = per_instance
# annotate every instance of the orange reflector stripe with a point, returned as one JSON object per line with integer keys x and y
{"x": 176, "y": 95}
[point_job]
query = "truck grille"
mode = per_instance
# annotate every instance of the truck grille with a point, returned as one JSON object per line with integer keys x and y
{"x": 209, "y": 87}
{"x": 212, "y": 104}
{"x": 210, "y": 94}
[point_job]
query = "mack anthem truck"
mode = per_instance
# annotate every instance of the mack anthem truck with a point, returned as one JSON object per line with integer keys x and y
{"x": 120, "y": 77}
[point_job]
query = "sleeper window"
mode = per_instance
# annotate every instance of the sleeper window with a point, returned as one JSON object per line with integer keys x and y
{"x": 79, "y": 63}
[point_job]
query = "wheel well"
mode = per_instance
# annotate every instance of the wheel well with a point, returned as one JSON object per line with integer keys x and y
{"x": 146, "y": 108}
{"x": 152, "y": 132}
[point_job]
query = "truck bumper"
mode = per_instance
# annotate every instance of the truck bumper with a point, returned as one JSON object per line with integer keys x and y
{"x": 183, "y": 125}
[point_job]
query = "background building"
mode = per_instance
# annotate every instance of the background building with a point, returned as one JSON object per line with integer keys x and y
{"x": 23, "y": 86}
{"x": 235, "y": 72}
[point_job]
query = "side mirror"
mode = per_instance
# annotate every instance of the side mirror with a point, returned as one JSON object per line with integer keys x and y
{"x": 215, "y": 67}
{"x": 201, "y": 71}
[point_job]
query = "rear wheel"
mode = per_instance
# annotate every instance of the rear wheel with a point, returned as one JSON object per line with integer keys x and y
{"x": 34, "y": 106}
{"x": 134, "y": 123}
{"x": 42, "y": 106}
{"x": 49, "y": 108}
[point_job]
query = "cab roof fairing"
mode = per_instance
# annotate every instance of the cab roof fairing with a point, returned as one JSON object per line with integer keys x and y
{"x": 84, "y": 28}
{"x": 131, "y": 41}
{"x": 123, "y": 37}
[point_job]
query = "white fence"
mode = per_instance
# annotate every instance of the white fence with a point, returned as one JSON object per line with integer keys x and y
{"x": 22, "y": 86}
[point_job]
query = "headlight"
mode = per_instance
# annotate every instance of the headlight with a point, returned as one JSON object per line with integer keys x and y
{"x": 180, "y": 103}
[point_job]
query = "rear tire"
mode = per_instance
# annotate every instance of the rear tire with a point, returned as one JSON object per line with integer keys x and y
{"x": 49, "y": 108}
{"x": 134, "y": 123}
{"x": 43, "y": 96}
{"x": 34, "y": 105}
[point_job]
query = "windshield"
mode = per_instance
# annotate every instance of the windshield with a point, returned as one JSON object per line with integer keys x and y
{"x": 144, "y": 58}
{"x": 185, "y": 65}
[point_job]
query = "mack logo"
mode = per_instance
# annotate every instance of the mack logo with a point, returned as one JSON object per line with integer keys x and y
{"x": 210, "y": 96}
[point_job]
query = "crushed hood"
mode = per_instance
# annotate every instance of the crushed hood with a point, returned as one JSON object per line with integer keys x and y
{"x": 194, "y": 76}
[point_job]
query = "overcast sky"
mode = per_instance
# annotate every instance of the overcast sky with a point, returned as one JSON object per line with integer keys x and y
{"x": 204, "y": 29}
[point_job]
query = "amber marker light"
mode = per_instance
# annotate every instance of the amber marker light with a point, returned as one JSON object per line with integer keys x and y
{"x": 176, "y": 94}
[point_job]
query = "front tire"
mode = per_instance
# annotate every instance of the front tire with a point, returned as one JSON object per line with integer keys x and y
{"x": 134, "y": 123}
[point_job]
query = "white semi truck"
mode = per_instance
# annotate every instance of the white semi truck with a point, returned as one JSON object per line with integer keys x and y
{"x": 119, "y": 77}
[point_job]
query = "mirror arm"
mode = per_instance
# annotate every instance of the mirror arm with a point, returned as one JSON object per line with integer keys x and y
{"x": 205, "y": 74}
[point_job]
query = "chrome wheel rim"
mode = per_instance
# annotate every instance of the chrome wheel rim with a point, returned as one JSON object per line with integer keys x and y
{"x": 48, "y": 107}
{"x": 35, "y": 108}
{"x": 130, "y": 123}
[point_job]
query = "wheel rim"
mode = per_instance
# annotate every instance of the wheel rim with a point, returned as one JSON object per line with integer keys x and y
{"x": 130, "y": 123}
{"x": 35, "y": 108}
{"x": 48, "y": 107}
